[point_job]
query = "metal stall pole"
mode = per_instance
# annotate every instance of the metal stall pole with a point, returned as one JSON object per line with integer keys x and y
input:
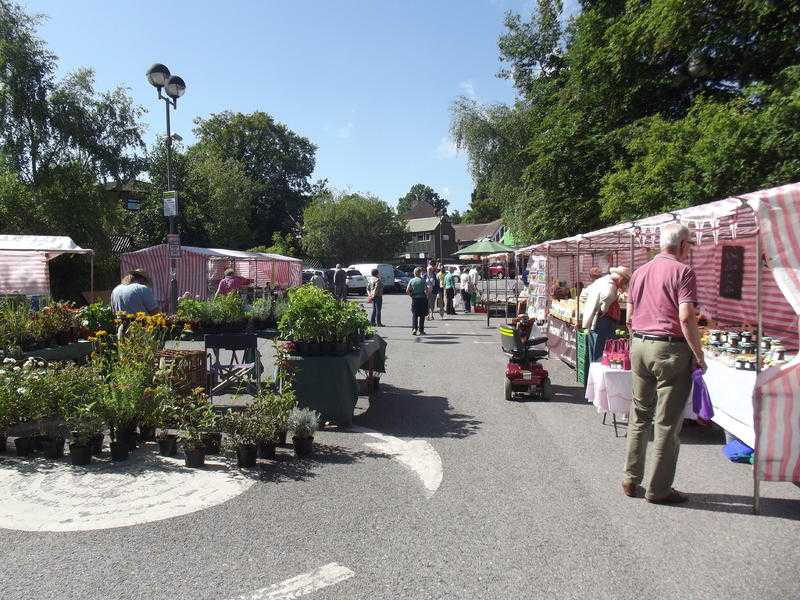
{"x": 486, "y": 279}
{"x": 633, "y": 240}
{"x": 91, "y": 278}
{"x": 507, "y": 274}
{"x": 756, "y": 480}
{"x": 577, "y": 300}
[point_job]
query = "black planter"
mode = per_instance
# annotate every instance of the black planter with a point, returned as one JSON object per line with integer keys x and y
{"x": 212, "y": 442}
{"x": 119, "y": 451}
{"x": 194, "y": 457}
{"x": 281, "y": 439}
{"x": 168, "y": 446}
{"x": 53, "y": 447}
{"x": 39, "y": 442}
{"x": 147, "y": 434}
{"x": 327, "y": 348}
{"x": 96, "y": 443}
{"x": 3, "y": 446}
{"x": 303, "y": 446}
{"x": 266, "y": 450}
{"x": 23, "y": 446}
{"x": 127, "y": 436}
{"x": 80, "y": 455}
{"x": 301, "y": 348}
{"x": 246, "y": 455}
{"x": 341, "y": 348}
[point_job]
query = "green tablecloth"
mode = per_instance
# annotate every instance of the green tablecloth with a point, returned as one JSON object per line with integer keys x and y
{"x": 328, "y": 384}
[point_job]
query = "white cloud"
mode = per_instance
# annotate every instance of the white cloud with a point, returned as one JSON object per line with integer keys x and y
{"x": 468, "y": 88}
{"x": 446, "y": 149}
{"x": 345, "y": 132}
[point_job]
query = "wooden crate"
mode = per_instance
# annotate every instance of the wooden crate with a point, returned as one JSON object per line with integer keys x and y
{"x": 190, "y": 367}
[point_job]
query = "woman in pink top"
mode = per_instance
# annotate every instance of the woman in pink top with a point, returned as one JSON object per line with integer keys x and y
{"x": 231, "y": 283}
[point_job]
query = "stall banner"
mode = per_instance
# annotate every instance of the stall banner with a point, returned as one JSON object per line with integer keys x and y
{"x": 776, "y": 403}
{"x": 24, "y": 273}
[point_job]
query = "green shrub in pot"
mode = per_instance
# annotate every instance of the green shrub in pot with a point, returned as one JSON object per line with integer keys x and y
{"x": 195, "y": 416}
{"x": 303, "y": 423}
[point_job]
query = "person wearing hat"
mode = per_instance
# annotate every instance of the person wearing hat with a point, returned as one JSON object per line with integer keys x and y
{"x": 231, "y": 283}
{"x": 601, "y": 313}
{"x": 133, "y": 295}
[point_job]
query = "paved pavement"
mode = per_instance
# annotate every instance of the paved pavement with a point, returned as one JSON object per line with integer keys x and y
{"x": 528, "y": 506}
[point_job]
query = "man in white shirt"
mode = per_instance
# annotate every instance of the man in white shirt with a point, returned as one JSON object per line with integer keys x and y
{"x": 601, "y": 313}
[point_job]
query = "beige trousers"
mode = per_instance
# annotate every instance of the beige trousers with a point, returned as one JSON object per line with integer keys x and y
{"x": 661, "y": 385}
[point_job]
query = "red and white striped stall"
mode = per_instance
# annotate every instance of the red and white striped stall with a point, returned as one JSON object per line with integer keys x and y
{"x": 766, "y": 412}
{"x": 199, "y": 270}
{"x": 24, "y": 262}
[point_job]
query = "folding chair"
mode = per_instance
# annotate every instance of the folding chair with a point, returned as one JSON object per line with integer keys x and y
{"x": 243, "y": 367}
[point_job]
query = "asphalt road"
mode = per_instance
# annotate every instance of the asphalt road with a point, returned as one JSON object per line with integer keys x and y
{"x": 529, "y": 506}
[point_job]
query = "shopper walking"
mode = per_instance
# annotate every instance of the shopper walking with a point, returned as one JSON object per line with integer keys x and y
{"x": 375, "y": 295}
{"x": 440, "y": 291}
{"x": 466, "y": 290}
{"x": 601, "y": 310}
{"x": 665, "y": 341}
{"x": 418, "y": 290}
{"x": 431, "y": 284}
{"x": 450, "y": 289}
{"x": 340, "y": 282}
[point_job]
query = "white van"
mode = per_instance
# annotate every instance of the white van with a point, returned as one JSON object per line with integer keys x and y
{"x": 386, "y": 273}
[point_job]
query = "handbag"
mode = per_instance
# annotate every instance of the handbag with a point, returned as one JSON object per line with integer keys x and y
{"x": 616, "y": 354}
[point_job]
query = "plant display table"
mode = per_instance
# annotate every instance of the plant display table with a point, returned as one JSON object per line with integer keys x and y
{"x": 328, "y": 384}
{"x": 76, "y": 351}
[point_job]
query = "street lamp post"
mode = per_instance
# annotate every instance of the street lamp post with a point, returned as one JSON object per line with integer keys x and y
{"x": 174, "y": 87}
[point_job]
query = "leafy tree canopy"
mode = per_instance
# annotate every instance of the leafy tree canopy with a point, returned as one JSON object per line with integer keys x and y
{"x": 421, "y": 194}
{"x": 632, "y": 108}
{"x": 349, "y": 227}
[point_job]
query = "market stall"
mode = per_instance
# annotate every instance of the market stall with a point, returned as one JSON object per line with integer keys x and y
{"x": 25, "y": 262}
{"x": 746, "y": 256}
{"x": 199, "y": 270}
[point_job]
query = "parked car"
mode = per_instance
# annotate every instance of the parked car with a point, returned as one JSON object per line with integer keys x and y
{"x": 386, "y": 273}
{"x": 356, "y": 282}
{"x": 400, "y": 280}
{"x": 309, "y": 273}
{"x": 498, "y": 270}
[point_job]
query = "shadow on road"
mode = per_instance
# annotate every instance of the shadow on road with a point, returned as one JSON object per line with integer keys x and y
{"x": 288, "y": 467}
{"x": 410, "y": 413}
{"x": 780, "y": 508}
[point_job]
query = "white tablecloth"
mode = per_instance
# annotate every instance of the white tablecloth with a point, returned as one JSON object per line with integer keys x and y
{"x": 731, "y": 393}
{"x": 610, "y": 390}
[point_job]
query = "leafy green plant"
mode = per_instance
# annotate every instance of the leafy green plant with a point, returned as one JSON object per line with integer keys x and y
{"x": 262, "y": 310}
{"x": 97, "y": 316}
{"x": 303, "y": 422}
{"x": 241, "y": 428}
{"x": 121, "y": 397}
{"x": 83, "y": 422}
{"x": 195, "y": 417}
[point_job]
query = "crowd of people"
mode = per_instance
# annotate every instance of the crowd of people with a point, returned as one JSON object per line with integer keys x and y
{"x": 433, "y": 289}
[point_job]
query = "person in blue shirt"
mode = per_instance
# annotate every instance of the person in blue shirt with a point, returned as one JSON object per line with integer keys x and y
{"x": 418, "y": 290}
{"x": 450, "y": 289}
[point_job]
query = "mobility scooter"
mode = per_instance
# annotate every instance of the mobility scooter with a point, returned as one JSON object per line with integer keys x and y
{"x": 524, "y": 375}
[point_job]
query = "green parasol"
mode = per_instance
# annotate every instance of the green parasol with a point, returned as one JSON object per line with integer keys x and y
{"x": 484, "y": 247}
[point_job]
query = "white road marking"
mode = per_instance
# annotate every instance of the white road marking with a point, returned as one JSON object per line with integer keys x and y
{"x": 39, "y": 495}
{"x": 304, "y": 584}
{"x": 418, "y": 455}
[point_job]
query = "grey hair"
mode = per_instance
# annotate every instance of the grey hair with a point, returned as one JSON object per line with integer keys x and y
{"x": 417, "y": 271}
{"x": 672, "y": 235}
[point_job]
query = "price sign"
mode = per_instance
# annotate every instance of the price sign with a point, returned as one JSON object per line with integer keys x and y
{"x": 731, "y": 273}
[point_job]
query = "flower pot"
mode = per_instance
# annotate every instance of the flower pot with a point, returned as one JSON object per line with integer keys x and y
{"x": 246, "y": 455}
{"x": 281, "y": 439}
{"x": 96, "y": 443}
{"x": 266, "y": 450}
{"x": 119, "y": 451}
{"x": 341, "y": 348}
{"x": 127, "y": 436}
{"x": 168, "y": 446}
{"x": 53, "y": 447}
{"x": 313, "y": 349}
{"x": 212, "y": 442}
{"x": 194, "y": 457}
{"x": 80, "y": 455}
{"x": 147, "y": 433}
{"x": 303, "y": 446}
{"x": 38, "y": 442}
{"x": 3, "y": 446}
{"x": 23, "y": 446}
{"x": 327, "y": 348}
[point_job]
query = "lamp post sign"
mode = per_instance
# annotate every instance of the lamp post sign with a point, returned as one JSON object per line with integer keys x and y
{"x": 170, "y": 204}
{"x": 174, "y": 245}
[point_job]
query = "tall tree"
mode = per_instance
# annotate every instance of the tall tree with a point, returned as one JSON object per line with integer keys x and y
{"x": 349, "y": 228}
{"x": 421, "y": 194}
{"x": 277, "y": 161}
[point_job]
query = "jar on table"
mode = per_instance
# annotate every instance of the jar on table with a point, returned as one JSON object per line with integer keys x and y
{"x": 731, "y": 355}
{"x": 746, "y": 336}
{"x": 766, "y": 343}
{"x": 739, "y": 363}
{"x": 733, "y": 338}
{"x": 715, "y": 336}
{"x": 746, "y": 347}
{"x": 778, "y": 353}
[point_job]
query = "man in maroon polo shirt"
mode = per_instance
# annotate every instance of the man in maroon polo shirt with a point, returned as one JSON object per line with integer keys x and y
{"x": 665, "y": 341}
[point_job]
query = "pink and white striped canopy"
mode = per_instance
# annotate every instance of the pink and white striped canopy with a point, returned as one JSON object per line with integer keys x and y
{"x": 24, "y": 259}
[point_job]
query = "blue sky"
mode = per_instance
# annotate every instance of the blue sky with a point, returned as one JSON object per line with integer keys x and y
{"x": 369, "y": 82}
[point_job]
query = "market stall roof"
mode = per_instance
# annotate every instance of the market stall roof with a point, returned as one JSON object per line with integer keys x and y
{"x": 53, "y": 245}
{"x": 241, "y": 254}
{"x": 484, "y": 248}
{"x": 705, "y": 217}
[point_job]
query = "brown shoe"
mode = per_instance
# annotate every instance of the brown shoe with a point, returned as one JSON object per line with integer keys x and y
{"x": 674, "y": 497}
{"x": 631, "y": 489}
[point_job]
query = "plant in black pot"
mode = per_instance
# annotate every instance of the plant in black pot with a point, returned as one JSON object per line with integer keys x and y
{"x": 165, "y": 419}
{"x": 240, "y": 437}
{"x": 83, "y": 423}
{"x": 303, "y": 423}
{"x": 195, "y": 417}
{"x": 121, "y": 395}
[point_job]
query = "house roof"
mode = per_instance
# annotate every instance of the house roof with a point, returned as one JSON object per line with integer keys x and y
{"x": 425, "y": 224}
{"x": 476, "y": 231}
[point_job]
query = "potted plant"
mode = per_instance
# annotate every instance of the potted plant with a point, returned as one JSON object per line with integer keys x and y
{"x": 241, "y": 436}
{"x": 165, "y": 419}
{"x": 119, "y": 405}
{"x": 303, "y": 423}
{"x": 195, "y": 417}
{"x": 84, "y": 423}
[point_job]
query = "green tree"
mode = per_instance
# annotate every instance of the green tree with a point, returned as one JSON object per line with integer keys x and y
{"x": 284, "y": 243}
{"x": 424, "y": 195}
{"x": 349, "y": 228}
{"x": 277, "y": 162}
{"x": 482, "y": 208}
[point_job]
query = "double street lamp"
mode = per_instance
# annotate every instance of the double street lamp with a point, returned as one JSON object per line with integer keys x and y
{"x": 174, "y": 87}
